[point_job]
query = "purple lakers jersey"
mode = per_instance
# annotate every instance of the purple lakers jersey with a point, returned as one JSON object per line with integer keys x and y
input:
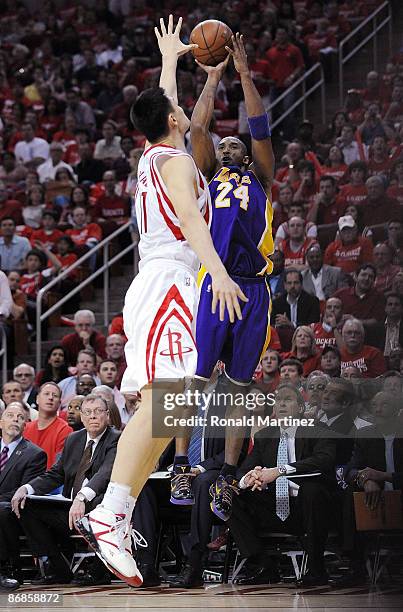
{"x": 241, "y": 225}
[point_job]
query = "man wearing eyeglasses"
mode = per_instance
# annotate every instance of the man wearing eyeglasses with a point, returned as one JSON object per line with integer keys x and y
{"x": 83, "y": 470}
{"x": 25, "y": 375}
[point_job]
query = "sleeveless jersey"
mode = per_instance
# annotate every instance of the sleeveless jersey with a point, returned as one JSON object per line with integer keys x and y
{"x": 241, "y": 225}
{"x": 159, "y": 227}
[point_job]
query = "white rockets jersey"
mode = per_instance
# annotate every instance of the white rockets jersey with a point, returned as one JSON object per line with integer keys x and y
{"x": 159, "y": 227}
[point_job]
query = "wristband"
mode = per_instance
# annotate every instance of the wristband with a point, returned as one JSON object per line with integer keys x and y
{"x": 259, "y": 127}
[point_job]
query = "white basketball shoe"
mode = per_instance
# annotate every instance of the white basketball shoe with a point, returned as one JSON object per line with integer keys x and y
{"x": 110, "y": 536}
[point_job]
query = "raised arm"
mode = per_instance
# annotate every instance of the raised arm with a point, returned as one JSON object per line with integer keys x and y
{"x": 262, "y": 151}
{"x": 203, "y": 151}
{"x": 171, "y": 49}
{"x": 178, "y": 174}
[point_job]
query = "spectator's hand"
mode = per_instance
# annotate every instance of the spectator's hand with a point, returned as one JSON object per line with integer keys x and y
{"x": 76, "y": 512}
{"x": 370, "y": 474}
{"x": 330, "y": 319}
{"x": 85, "y": 337}
{"x": 214, "y": 72}
{"x": 264, "y": 477}
{"x": 252, "y": 476}
{"x": 38, "y": 245}
{"x": 373, "y": 494}
{"x": 238, "y": 54}
{"x": 18, "y": 500}
{"x": 282, "y": 320}
{"x": 169, "y": 42}
{"x": 225, "y": 294}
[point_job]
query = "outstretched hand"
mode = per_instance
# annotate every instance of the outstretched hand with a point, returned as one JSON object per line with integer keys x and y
{"x": 169, "y": 42}
{"x": 238, "y": 54}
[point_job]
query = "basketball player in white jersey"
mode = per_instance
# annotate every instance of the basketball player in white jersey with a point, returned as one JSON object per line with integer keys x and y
{"x": 172, "y": 207}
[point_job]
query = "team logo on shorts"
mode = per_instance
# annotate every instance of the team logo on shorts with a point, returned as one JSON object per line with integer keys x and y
{"x": 175, "y": 347}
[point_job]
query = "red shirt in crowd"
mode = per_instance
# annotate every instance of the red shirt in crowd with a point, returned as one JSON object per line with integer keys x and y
{"x": 51, "y": 439}
{"x": 283, "y": 62}
{"x": 80, "y": 236}
{"x": 396, "y": 193}
{"x": 369, "y": 306}
{"x": 379, "y": 211}
{"x": 329, "y": 213}
{"x": 351, "y": 194}
{"x": 13, "y": 209}
{"x": 322, "y": 337}
{"x": 293, "y": 258}
{"x": 369, "y": 360}
{"x": 113, "y": 208}
{"x": 48, "y": 239}
{"x": 30, "y": 284}
{"x": 310, "y": 364}
{"x": 66, "y": 261}
{"x": 73, "y": 345}
{"x": 348, "y": 257}
{"x": 382, "y": 167}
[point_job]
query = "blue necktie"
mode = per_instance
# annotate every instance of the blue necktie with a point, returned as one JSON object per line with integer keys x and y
{"x": 282, "y": 495}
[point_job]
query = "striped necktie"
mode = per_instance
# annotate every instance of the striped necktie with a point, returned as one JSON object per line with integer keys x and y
{"x": 3, "y": 457}
{"x": 282, "y": 495}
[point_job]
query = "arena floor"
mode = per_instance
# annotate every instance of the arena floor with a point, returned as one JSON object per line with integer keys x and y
{"x": 118, "y": 597}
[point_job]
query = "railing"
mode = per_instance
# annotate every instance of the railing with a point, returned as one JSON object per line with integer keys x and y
{"x": 371, "y": 21}
{"x": 3, "y": 354}
{"x": 302, "y": 80}
{"x": 107, "y": 263}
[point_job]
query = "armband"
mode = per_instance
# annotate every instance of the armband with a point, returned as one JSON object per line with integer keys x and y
{"x": 259, "y": 127}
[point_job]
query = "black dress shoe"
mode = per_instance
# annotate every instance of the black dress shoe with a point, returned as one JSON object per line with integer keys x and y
{"x": 150, "y": 577}
{"x": 91, "y": 580}
{"x": 259, "y": 575}
{"x": 189, "y": 578}
{"x": 311, "y": 580}
{"x": 52, "y": 579}
{"x": 8, "y": 584}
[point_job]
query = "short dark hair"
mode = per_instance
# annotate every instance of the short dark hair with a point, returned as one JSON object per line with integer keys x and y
{"x": 8, "y": 219}
{"x": 293, "y": 271}
{"x": 364, "y": 266}
{"x": 149, "y": 114}
{"x": 292, "y": 362}
{"x": 358, "y": 165}
{"x": 393, "y": 294}
{"x": 329, "y": 178}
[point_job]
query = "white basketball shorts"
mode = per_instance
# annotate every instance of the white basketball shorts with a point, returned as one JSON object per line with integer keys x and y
{"x": 159, "y": 321}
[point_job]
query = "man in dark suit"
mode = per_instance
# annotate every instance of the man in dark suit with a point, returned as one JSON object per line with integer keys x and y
{"x": 84, "y": 470}
{"x": 295, "y": 307}
{"x": 321, "y": 280}
{"x": 20, "y": 461}
{"x": 276, "y": 503}
{"x": 387, "y": 335}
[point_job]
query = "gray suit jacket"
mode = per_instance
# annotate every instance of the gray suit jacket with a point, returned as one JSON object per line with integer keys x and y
{"x": 332, "y": 279}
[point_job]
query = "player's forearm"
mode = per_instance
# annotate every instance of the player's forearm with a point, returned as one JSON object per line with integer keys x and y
{"x": 204, "y": 108}
{"x": 196, "y": 232}
{"x": 253, "y": 101}
{"x": 168, "y": 76}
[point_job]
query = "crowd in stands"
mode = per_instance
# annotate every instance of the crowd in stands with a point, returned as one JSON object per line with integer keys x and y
{"x": 69, "y": 73}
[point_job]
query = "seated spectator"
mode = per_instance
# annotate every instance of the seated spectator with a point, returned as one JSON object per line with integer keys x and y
{"x": 310, "y": 503}
{"x": 85, "y": 384}
{"x": 320, "y": 279}
{"x": 320, "y": 41}
{"x": 334, "y": 164}
{"x": 395, "y": 189}
{"x": 355, "y": 191}
{"x": 31, "y": 150}
{"x": 295, "y": 210}
{"x": 111, "y": 207}
{"x": 25, "y": 375}
{"x": 8, "y": 207}
{"x": 84, "y": 337}
{"x": 59, "y": 262}
{"x": 48, "y": 431}
{"x": 108, "y": 148}
{"x": 281, "y": 205}
{"x": 108, "y": 374}
{"x": 373, "y": 125}
{"x": 326, "y": 207}
{"x": 378, "y": 207}
{"x": 55, "y": 366}
{"x": 306, "y": 188}
{"x": 115, "y": 350}
{"x": 47, "y": 170}
{"x": 389, "y": 330}
{"x": 333, "y": 131}
{"x": 363, "y": 301}
{"x": 268, "y": 378}
{"x": 354, "y": 352}
{"x": 19, "y": 298}
{"x": 31, "y": 281}
{"x": 330, "y": 361}
{"x": 303, "y": 348}
{"x": 21, "y": 461}
{"x": 379, "y": 161}
{"x": 349, "y": 251}
{"x": 291, "y": 371}
{"x": 385, "y": 269}
{"x": 115, "y": 419}
{"x": 288, "y": 171}
{"x": 12, "y": 392}
{"x": 295, "y": 307}
{"x": 47, "y": 234}
{"x": 81, "y": 111}
{"x": 332, "y": 320}
{"x": 13, "y": 249}
{"x": 33, "y": 211}
{"x": 88, "y": 169}
{"x": 58, "y": 190}
{"x": 73, "y": 416}
{"x": 84, "y": 470}
{"x": 351, "y": 149}
{"x": 276, "y": 278}
{"x": 86, "y": 364}
{"x": 374, "y": 91}
{"x": 84, "y": 235}
{"x": 315, "y": 385}
{"x": 11, "y": 172}
{"x": 296, "y": 245}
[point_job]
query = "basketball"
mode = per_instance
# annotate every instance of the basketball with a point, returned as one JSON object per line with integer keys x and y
{"x": 212, "y": 36}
